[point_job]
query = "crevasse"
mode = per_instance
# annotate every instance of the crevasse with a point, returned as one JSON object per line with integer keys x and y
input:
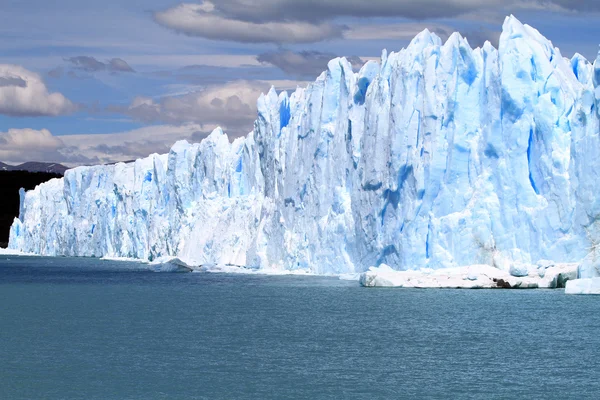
{"x": 440, "y": 156}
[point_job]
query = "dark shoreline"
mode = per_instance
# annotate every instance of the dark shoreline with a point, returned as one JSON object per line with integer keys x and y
{"x": 10, "y": 183}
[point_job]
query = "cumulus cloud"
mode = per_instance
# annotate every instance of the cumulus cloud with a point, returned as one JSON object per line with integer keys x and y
{"x": 131, "y": 145}
{"x": 23, "y": 93}
{"x": 22, "y": 145}
{"x": 91, "y": 64}
{"x": 232, "y": 106}
{"x": 205, "y": 21}
{"x": 306, "y": 64}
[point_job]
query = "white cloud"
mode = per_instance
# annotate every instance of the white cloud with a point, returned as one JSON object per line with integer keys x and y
{"x": 232, "y": 106}
{"x": 191, "y": 116}
{"x": 19, "y": 145}
{"x": 203, "y": 20}
{"x": 22, "y": 145}
{"x": 28, "y": 95}
{"x": 130, "y": 145}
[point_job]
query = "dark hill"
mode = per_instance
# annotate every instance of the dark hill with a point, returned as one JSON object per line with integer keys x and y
{"x": 10, "y": 183}
{"x": 33, "y": 166}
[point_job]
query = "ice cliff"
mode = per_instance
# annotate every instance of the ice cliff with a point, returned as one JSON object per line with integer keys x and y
{"x": 440, "y": 156}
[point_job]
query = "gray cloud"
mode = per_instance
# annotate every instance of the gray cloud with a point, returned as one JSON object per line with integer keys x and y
{"x": 576, "y": 5}
{"x": 75, "y": 75}
{"x": 293, "y": 21}
{"x": 400, "y": 31}
{"x": 231, "y": 105}
{"x": 91, "y": 64}
{"x": 133, "y": 149}
{"x": 407, "y": 31}
{"x": 198, "y": 136}
{"x": 479, "y": 36}
{"x": 118, "y": 150}
{"x": 56, "y": 72}
{"x": 21, "y": 145}
{"x": 118, "y": 64}
{"x": 29, "y": 145}
{"x": 71, "y": 155}
{"x": 125, "y": 146}
{"x": 320, "y": 10}
{"x": 209, "y": 75}
{"x": 12, "y": 81}
{"x": 305, "y": 64}
{"x": 203, "y": 20}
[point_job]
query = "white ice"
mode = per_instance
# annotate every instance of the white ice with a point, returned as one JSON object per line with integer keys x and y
{"x": 583, "y": 286}
{"x": 472, "y": 277}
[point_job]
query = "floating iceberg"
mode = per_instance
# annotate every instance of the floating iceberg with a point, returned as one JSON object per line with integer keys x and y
{"x": 588, "y": 275}
{"x": 583, "y": 286}
{"x": 441, "y": 156}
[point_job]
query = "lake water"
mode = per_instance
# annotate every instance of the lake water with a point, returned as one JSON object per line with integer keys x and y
{"x": 89, "y": 329}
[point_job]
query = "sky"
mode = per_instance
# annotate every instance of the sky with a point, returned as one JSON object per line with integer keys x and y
{"x": 85, "y": 82}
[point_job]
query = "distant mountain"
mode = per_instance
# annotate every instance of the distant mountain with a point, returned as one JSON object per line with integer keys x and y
{"x": 32, "y": 166}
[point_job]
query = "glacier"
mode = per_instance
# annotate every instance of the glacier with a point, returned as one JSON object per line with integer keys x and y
{"x": 439, "y": 157}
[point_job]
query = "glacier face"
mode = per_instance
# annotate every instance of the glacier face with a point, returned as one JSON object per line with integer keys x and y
{"x": 440, "y": 156}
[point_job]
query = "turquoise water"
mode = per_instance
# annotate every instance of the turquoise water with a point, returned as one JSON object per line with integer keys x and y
{"x": 87, "y": 329}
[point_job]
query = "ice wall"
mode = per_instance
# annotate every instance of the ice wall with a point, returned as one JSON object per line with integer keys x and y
{"x": 440, "y": 156}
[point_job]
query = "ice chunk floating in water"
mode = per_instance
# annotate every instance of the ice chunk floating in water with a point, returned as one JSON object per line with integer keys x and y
{"x": 583, "y": 286}
{"x": 441, "y": 156}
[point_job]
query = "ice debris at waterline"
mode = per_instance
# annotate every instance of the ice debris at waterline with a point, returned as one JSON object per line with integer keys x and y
{"x": 471, "y": 277}
{"x": 583, "y": 286}
{"x": 441, "y": 156}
